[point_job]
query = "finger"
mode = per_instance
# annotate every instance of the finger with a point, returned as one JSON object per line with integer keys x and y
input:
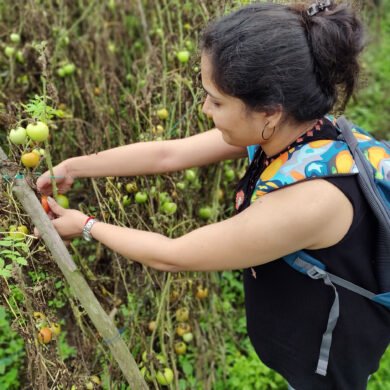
{"x": 55, "y": 207}
{"x": 36, "y": 232}
{"x": 43, "y": 183}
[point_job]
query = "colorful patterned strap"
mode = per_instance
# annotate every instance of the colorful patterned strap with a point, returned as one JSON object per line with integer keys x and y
{"x": 321, "y": 158}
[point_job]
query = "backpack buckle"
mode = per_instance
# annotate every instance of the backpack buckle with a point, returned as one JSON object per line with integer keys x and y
{"x": 316, "y": 273}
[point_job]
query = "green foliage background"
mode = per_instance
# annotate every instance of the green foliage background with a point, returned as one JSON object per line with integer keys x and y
{"x": 126, "y": 69}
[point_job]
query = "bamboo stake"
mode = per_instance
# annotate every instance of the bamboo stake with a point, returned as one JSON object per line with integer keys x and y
{"x": 79, "y": 287}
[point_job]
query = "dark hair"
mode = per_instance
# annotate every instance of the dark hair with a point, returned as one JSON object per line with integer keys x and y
{"x": 271, "y": 55}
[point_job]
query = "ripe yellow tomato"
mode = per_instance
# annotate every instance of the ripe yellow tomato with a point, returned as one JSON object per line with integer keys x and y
{"x": 30, "y": 160}
{"x": 182, "y": 314}
{"x": 180, "y": 348}
{"x": 152, "y": 325}
{"x": 201, "y": 292}
{"x": 55, "y": 328}
{"x": 183, "y": 328}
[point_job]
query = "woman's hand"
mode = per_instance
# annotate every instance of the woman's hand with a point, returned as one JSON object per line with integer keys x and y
{"x": 62, "y": 177}
{"x": 69, "y": 223}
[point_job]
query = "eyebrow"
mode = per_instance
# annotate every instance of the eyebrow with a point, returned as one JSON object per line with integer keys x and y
{"x": 214, "y": 97}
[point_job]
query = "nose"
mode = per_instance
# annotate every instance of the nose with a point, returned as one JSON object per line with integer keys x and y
{"x": 206, "y": 109}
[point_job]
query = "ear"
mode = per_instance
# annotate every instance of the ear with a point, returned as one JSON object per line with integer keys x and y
{"x": 274, "y": 115}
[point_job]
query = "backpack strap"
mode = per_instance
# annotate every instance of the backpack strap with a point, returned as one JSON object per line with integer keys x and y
{"x": 378, "y": 201}
{"x": 313, "y": 268}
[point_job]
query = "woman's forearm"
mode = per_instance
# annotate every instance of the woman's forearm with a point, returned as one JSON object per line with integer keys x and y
{"x": 148, "y": 248}
{"x": 142, "y": 158}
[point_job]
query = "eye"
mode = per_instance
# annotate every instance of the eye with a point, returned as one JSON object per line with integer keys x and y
{"x": 216, "y": 104}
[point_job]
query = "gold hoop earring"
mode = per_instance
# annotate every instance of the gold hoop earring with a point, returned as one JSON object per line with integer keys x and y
{"x": 262, "y": 133}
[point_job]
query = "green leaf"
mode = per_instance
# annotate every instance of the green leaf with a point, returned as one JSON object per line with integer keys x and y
{"x": 5, "y": 273}
{"x": 21, "y": 261}
{"x": 187, "y": 368}
{"x": 6, "y": 243}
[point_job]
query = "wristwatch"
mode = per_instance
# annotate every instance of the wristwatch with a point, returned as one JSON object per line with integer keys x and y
{"x": 87, "y": 228}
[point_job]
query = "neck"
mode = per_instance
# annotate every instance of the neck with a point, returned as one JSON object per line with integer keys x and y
{"x": 285, "y": 136}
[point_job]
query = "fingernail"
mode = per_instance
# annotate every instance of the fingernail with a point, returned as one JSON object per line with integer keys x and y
{"x": 50, "y": 199}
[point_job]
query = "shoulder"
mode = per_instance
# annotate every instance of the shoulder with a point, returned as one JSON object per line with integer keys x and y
{"x": 315, "y": 207}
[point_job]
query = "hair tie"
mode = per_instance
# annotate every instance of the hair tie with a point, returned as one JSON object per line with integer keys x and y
{"x": 318, "y": 6}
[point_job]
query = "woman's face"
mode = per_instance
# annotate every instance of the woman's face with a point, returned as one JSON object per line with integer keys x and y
{"x": 238, "y": 126}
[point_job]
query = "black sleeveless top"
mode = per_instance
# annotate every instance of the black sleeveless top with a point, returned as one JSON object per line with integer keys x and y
{"x": 287, "y": 312}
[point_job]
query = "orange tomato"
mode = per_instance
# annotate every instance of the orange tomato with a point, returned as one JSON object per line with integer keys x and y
{"x": 45, "y": 203}
{"x": 44, "y": 335}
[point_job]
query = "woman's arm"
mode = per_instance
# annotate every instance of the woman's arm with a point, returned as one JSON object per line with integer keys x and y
{"x": 312, "y": 215}
{"x": 147, "y": 158}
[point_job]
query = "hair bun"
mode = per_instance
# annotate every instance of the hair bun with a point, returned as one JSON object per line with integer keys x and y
{"x": 336, "y": 38}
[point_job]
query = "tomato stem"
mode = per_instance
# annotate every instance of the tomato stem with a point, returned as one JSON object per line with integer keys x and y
{"x": 50, "y": 166}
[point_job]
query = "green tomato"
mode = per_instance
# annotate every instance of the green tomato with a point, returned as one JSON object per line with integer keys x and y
{"x": 189, "y": 44}
{"x": 169, "y": 208}
{"x": 62, "y": 200}
{"x": 141, "y": 197}
{"x": 205, "y": 212}
{"x": 9, "y": 51}
{"x": 131, "y": 187}
{"x": 163, "y": 113}
{"x": 20, "y": 56}
{"x": 38, "y": 131}
{"x": 165, "y": 377}
{"x": 16, "y": 233}
{"x": 161, "y": 358}
{"x": 111, "y": 47}
{"x": 190, "y": 175}
{"x": 229, "y": 174}
{"x": 159, "y": 32}
{"x": 18, "y": 136}
{"x": 164, "y": 197}
{"x": 89, "y": 385}
{"x": 183, "y": 56}
{"x": 61, "y": 72}
{"x": 126, "y": 200}
{"x": 188, "y": 337}
{"x": 181, "y": 185}
{"x": 69, "y": 69}
{"x": 14, "y": 37}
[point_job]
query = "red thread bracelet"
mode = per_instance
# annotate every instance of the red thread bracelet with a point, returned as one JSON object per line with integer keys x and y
{"x": 88, "y": 220}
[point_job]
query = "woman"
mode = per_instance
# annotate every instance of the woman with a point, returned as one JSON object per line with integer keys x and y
{"x": 271, "y": 73}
